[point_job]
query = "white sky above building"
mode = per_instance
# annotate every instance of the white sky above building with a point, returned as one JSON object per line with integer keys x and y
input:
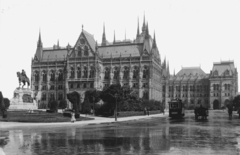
{"x": 189, "y": 33}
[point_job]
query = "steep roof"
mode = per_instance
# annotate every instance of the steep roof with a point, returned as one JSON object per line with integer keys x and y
{"x": 54, "y": 54}
{"x": 222, "y": 66}
{"x": 191, "y": 71}
{"x": 90, "y": 39}
{"x": 124, "y": 50}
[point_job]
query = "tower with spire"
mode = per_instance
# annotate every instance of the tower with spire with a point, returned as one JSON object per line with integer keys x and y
{"x": 39, "y": 51}
{"x": 104, "y": 40}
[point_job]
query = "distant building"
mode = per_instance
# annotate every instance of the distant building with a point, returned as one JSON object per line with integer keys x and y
{"x": 194, "y": 86}
{"x": 59, "y": 70}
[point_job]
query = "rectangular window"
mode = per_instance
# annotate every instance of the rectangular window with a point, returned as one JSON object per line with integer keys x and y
{"x": 52, "y": 87}
{"x": 91, "y": 85}
{"x": 36, "y": 87}
{"x": 60, "y": 87}
{"x": 78, "y": 85}
{"x": 84, "y": 85}
{"x": 44, "y": 87}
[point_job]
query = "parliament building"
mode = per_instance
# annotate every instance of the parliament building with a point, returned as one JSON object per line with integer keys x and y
{"x": 87, "y": 65}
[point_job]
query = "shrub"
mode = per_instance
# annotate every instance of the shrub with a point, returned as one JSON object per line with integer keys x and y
{"x": 53, "y": 105}
{"x": 6, "y": 102}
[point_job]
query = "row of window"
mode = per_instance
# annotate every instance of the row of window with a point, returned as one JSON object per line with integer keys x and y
{"x": 197, "y": 95}
{"x": 52, "y": 77}
{"x": 85, "y": 73}
{"x": 81, "y": 85}
{"x": 52, "y": 87}
{"x": 186, "y": 95}
{"x": 52, "y": 96}
{"x": 226, "y": 87}
{"x": 126, "y": 73}
{"x": 185, "y": 88}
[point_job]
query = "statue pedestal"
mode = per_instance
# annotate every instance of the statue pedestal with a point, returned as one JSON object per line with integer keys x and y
{"x": 23, "y": 99}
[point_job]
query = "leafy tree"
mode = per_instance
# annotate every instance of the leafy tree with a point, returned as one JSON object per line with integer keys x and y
{"x": 3, "y": 109}
{"x": 75, "y": 99}
{"x": 53, "y": 105}
{"x": 90, "y": 100}
{"x": 6, "y": 102}
{"x": 236, "y": 101}
{"x": 63, "y": 104}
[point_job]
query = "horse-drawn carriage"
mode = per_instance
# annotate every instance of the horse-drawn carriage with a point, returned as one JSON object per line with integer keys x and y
{"x": 201, "y": 111}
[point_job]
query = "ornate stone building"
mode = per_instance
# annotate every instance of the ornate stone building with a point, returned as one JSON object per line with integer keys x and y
{"x": 194, "y": 86}
{"x": 59, "y": 70}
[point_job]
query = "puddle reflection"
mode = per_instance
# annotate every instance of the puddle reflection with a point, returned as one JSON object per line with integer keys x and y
{"x": 158, "y": 135}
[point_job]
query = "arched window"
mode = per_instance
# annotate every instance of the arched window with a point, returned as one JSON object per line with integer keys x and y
{"x": 91, "y": 72}
{"x": 36, "y": 76}
{"x": 79, "y": 51}
{"x": 44, "y": 76}
{"x": 215, "y": 73}
{"x": 107, "y": 73}
{"x": 52, "y": 76}
{"x": 125, "y": 73}
{"x": 115, "y": 73}
{"x": 72, "y": 73}
{"x": 135, "y": 72}
{"x": 78, "y": 72}
{"x": 145, "y": 72}
{"x": 86, "y": 51}
{"x": 228, "y": 87}
{"x": 85, "y": 72}
{"x": 60, "y": 75}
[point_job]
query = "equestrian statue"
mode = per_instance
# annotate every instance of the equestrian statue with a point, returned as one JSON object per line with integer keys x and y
{"x": 22, "y": 77}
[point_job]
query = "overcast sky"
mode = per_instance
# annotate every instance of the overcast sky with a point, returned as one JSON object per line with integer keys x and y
{"x": 189, "y": 33}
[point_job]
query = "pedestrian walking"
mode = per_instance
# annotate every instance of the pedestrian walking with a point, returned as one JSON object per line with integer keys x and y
{"x": 148, "y": 111}
{"x": 73, "y": 119}
{"x": 145, "y": 111}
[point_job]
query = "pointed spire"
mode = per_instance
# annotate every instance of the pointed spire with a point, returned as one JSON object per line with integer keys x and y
{"x": 114, "y": 37}
{"x": 96, "y": 46}
{"x": 58, "y": 44}
{"x": 143, "y": 27}
{"x": 164, "y": 63}
{"x": 147, "y": 32}
{"x": 82, "y": 27}
{"x": 125, "y": 34}
{"x": 39, "y": 39}
{"x": 138, "y": 28}
{"x": 154, "y": 41}
{"x": 104, "y": 42}
{"x": 168, "y": 68}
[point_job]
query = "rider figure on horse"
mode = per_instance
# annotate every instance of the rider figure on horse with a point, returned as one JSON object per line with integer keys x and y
{"x": 24, "y": 73}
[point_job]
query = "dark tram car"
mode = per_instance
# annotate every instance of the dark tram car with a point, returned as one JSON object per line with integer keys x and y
{"x": 176, "y": 108}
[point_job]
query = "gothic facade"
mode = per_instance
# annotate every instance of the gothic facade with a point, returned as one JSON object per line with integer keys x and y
{"x": 194, "y": 86}
{"x": 87, "y": 65}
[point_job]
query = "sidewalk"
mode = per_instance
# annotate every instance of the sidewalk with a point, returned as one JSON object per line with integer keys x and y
{"x": 97, "y": 120}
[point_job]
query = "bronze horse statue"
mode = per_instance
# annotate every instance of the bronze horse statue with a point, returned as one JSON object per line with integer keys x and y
{"x": 22, "y": 79}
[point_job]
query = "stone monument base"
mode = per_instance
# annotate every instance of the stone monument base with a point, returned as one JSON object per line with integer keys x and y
{"x": 23, "y": 99}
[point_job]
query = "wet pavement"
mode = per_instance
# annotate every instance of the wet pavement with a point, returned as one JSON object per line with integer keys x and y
{"x": 158, "y": 135}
